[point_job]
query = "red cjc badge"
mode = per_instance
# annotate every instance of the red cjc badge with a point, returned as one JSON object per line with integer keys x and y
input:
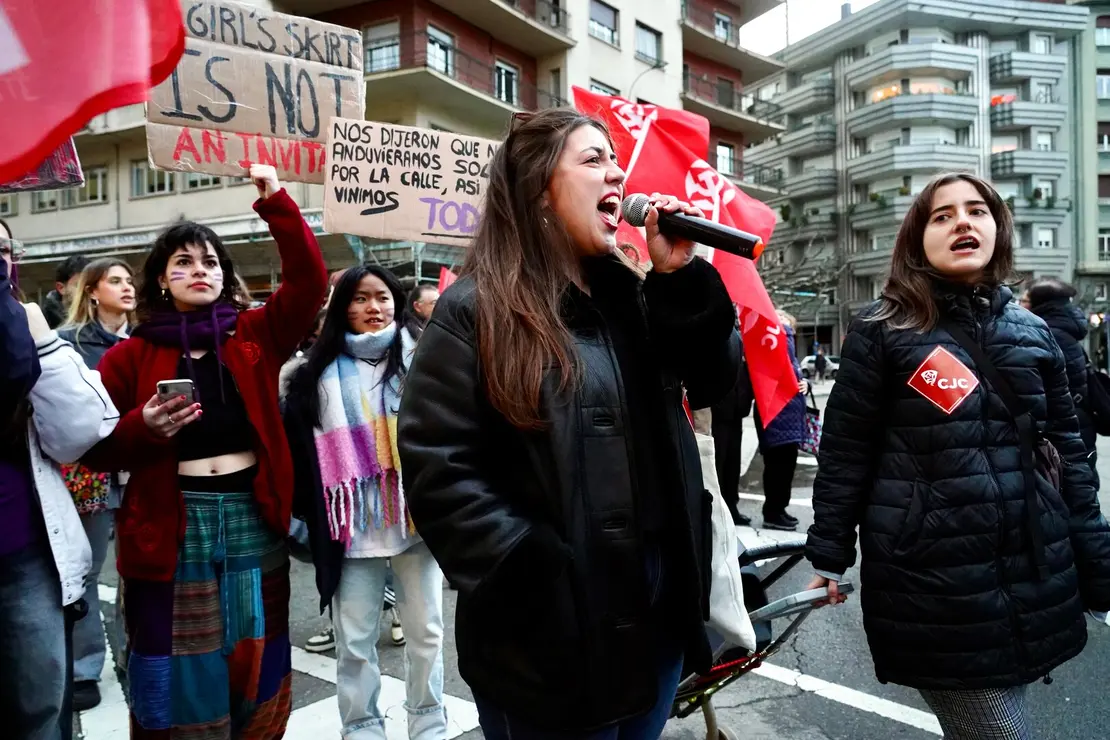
{"x": 944, "y": 380}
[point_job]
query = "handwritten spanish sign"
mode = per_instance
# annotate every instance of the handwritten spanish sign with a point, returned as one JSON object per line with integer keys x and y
{"x": 254, "y": 87}
{"x": 402, "y": 183}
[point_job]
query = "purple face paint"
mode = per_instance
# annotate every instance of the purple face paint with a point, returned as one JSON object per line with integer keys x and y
{"x": 177, "y": 276}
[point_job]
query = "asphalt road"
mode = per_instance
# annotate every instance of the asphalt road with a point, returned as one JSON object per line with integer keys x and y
{"x": 820, "y": 686}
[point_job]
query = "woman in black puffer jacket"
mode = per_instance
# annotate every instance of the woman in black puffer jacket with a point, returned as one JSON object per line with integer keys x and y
{"x": 1050, "y": 299}
{"x": 920, "y": 453}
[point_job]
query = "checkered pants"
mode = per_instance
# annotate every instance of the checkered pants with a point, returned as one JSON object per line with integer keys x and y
{"x": 981, "y": 714}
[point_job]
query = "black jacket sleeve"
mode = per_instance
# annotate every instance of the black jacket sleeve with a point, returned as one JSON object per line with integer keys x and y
{"x": 693, "y": 327}
{"x": 853, "y": 424}
{"x": 474, "y": 531}
{"x": 1090, "y": 533}
{"x": 19, "y": 359}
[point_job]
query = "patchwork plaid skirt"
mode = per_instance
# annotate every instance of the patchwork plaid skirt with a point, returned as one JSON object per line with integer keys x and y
{"x": 209, "y": 655}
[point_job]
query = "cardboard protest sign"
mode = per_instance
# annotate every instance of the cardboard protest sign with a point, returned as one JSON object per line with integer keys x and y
{"x": 254, "y": 87}
{"x": 403, "y": 183}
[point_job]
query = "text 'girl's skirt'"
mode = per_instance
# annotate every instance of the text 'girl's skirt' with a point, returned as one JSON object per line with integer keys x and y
{"x": 209, "y": 652}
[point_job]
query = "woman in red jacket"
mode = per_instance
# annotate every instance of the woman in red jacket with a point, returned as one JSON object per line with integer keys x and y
{"x": 201, "y": 531}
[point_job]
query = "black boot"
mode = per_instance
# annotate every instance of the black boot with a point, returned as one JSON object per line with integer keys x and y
{"x": 780, "y": 522}
{"x": 86, "y": 695}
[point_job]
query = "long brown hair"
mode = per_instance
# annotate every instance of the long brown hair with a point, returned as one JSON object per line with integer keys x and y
{"x": 521, "y": 262}
{"x": 81, "y": 311}
{"x": 907, "y": 301}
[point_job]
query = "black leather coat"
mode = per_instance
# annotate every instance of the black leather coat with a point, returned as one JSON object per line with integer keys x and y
{"x": 1069, "y": 327}
{"x": 538, "y": 530}
{"x": 950, "y": 597}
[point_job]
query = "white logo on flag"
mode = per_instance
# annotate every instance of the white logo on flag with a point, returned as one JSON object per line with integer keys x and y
{"x": 930, "y": 377}
{"x": 635, "y": 118}
{"x": 706, "y": 189}
{"x": 12, "y": 54}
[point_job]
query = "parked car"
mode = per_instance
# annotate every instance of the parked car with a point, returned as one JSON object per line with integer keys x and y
{"x": 809, "y": 365}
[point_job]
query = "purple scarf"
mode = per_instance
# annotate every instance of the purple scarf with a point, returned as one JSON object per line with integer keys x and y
{"x": 189, "y": 330}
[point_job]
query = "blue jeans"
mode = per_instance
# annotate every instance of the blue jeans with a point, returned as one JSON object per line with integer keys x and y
{"x": 498, "y": 725}
{"x": 356, "y": 615}
{"x": 89, "y": 648}
{"x": 35, "y": 678}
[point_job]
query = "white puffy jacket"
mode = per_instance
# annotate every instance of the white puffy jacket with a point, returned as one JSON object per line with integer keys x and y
{"x": 71, "y": 413}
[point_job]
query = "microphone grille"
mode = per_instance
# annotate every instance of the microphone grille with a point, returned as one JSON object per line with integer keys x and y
{"x": 634, "y": 208}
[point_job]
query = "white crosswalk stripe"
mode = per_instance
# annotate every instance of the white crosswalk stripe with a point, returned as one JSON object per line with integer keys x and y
{"x": 319, "y": 720}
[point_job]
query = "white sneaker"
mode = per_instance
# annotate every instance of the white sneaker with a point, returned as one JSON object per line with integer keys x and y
{"x": 322, "y": 642}
{"x": 395, "y": 632}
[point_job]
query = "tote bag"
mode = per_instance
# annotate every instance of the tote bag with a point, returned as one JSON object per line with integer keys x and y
{"x": 727, "y": 614}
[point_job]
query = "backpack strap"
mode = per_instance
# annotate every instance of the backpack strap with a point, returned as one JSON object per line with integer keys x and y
{"x": 1027, "y": 435}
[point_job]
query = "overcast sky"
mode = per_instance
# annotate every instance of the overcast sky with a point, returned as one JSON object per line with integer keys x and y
{"x": 767, "y": 34}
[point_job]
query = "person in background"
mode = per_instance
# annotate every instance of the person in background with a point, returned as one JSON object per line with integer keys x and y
{"x": 418, "y": 309}
{"x": 100, "y": 316}
{"x": 52, "y": 409}
{"x": 345, "y": 398}
{"x": 779, "y": 443}
{"x": 1051, "y": 299}
{"x": 56, "y": 304}
{"x": 820, "y": 364}
{"x": 974, "y": 584}
{"x": 546, "y": 455}
{"x": 728, "y": 430}
{"x": 201, "y": 533}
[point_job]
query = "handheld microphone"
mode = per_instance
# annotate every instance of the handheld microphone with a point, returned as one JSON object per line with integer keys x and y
{"x": 701, "y": 230}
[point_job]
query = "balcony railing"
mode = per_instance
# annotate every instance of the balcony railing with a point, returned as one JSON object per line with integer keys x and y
{"x": 419, "y": 50}
{"x": 728, "y": 97}
{"x": 705, "y": 19}
{"x": 1051, "y": 96}
{"x": 825, "y": 119}
{"x": 545, "y": 12}
{"x": 753, "y": 174}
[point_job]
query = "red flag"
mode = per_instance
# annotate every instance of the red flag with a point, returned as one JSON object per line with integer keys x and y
{"x": 65, "y": 61}
{"x": 446, "y": 277}
{"x": 677, "y": 147}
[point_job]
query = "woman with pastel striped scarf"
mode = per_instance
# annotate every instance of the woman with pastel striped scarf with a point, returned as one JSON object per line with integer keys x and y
{"x": 341, "y": 419}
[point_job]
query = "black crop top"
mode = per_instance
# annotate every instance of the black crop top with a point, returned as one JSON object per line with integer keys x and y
{"x": 224, "y": 426}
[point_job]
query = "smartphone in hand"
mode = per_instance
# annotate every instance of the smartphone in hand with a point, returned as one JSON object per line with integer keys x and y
{"x": 171, "y": 389}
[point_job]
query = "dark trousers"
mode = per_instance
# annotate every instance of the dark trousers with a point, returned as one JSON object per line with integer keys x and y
{"x": 727, "y": 452}
{"x": 778, "y": 477}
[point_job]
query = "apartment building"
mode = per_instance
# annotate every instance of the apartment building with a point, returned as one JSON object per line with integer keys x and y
{"x": 1092, "y": 268}
{"x": 458, "y": 65}
{"x": 878, "y": 103}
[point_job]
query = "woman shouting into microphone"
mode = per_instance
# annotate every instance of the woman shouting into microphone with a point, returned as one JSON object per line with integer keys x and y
{"x": 547, "y": 460}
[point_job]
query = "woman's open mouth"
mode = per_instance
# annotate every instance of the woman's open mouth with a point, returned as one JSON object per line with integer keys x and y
{"x": 609, "y": 208}
{"x": 965, "y": 244}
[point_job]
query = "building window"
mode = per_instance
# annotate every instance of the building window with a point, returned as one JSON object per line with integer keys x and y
{"x": 557, "y": 82}
{"x": 506, "y": 82}
{"x": 146, "y": 181}
{"x": 1046, "y": 188}
{"x": 233, "y": 181}
{"x": 1102, "y": 32}
{"x": 1102, "y": 84}
{"x": 649, "y": 45}
{"x": 1044, "y": 141}
{"x": 1100, "y": 292}
{"x": 1045, "y": 93}
{"x": 43, "y": 201}
{"x": 722, "y": 26}
{"x": 95, "y": 189}
{"x": 726, "y": 92}
{"x": 1104, "y": 137}
{"x": 602, "y": 89}
{"x": 1104, "y": 186}
{"x": 9, "y": 205}
{"x": 441, "y": 51}
{"x": 1042, "y": 43}
{"x": 1046, "y": 238}
{"x": 725, "y": 162}
{"x": 383, "y": 46}
{"x": 1104, "y": 245}
{"x": 200, "y": 181}
{"x": 603, "y": 23}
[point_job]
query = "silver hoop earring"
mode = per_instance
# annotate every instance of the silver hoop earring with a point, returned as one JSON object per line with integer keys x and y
{"x": 95, "y": 303}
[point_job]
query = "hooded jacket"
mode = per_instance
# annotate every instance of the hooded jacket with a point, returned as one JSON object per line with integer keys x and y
{"x": 1068, "y": 325}
{"x": 933, "y": 480}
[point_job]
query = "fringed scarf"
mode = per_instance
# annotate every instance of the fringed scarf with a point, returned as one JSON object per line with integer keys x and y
{"x": 356, "y": 442}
